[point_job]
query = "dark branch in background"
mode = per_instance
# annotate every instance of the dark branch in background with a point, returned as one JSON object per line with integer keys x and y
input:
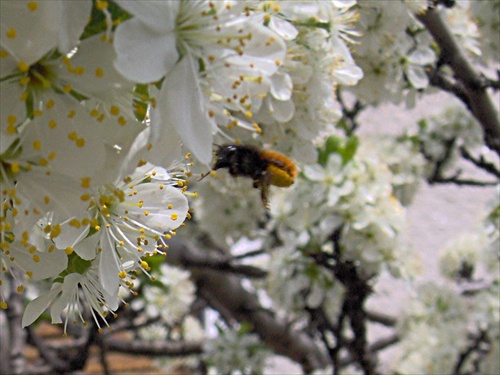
{"x": 480, "y": 163}
{"x": 65, "y": 357}
{"x": 437, "y": 175}
{"x": 17, "y": 335}
{"x": 353, "y": 309}
{"x": 373, "y": 348}
{"x": 224, "y": 291}
{"x": 357, "y": 291}
{"x": 153, "y": 348}
{"x": 474, "y": 347}
{"x": 381, "y": 318}
{"x": 219, "y": 261}
{"x": 349, "y": 114}
{"x": 472, "y": 83}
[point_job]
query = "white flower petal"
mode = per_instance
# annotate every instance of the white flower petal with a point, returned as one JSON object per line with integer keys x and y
{"x": 157, "y": 202}
{"x": 68, "y": 288}
{"x": 108, "y": 265}
{"x": 417, "y": 76}
{"x": 283, "y": 28}
{"x": 87, "y": 248}
{"x": 281, "y": 86}
{"x": 158, "y": 15}
{"x": 182, "y": 105}
{"x": 33, "y": 31}
{"x": 164, "y": 139}
{"x": 144, "y": 55}
{"x": 73, "y": 21}
{"x": 36, "y": 307}
{"x": 264, "y": 52}
{"x": 11, "y": 108}
{"x": 314, "y": 172}
{"x": 422, "y": 56}
{"x": 281, "y": 110}
{"x": 48, "y": 264}
{"x": 70, "y": 235}
{"x": 99, "y": 79}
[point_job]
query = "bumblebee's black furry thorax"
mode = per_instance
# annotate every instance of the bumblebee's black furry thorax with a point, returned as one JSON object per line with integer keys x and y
{"x": 241, "y": 161}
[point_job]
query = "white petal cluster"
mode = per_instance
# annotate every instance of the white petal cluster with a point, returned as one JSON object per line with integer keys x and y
{"x": 219, "y": 55}
{"x": 235, "y": 351}
{"x": 487, "y": 14}
{"x": 404, "y": 160}
{"x": 356, "y": 194}
{"x": 297, "y": 283}
{"x": 443, "y": 134}
{"x": 75, "y": 209}
{"x": 173, "y": 298}
{"x": 393, "y": 53}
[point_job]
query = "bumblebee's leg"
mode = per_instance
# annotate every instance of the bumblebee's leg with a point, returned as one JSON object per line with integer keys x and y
{"x": 203, "y": 175}
{"x": 263, "y": 184}
{"x": 264, "y": 192}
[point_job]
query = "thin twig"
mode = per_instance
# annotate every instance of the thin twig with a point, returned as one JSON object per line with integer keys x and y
{"x": 473, "y": 347}
{"x": 480, "y": 163}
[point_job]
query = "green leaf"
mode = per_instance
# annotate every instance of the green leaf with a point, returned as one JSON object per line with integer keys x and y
{"x": 97, "y": 23}
{"x": 345, "y": 147}
{"x": 349, "y": 149}
{"x": 245, "y": 327}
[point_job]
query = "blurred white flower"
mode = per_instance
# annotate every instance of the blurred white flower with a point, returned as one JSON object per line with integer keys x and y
{"x": 235, "y": 351}
{"x": 173, "y": 298}
{"x": 460, "y": 256}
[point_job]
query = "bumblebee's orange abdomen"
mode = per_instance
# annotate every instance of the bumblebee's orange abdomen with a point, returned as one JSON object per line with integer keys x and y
{"x": 281, "y": 169}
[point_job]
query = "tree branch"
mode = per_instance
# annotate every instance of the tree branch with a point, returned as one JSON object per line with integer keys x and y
{"x": 219, "y": 262}
{"x": 153, "y": 348}
{"x": 474, "y": 89}
{"x": 17, "y": 335}
{"x": 225, "y": 291}
{"x": 357, "y": 291}
{"x": 480, "y": 163}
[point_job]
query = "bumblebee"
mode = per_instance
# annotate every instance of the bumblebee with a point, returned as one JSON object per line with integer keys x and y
{"x": 264, "y": 167}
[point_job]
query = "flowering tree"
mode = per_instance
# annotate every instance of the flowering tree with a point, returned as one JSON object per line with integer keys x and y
{"x": 112, "y": 111}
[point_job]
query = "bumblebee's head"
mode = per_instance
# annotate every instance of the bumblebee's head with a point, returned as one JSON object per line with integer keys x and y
{"x": 224, "y": 156}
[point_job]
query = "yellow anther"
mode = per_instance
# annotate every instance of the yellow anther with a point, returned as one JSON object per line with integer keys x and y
{"x": 85, "y": 182}
{"x": 37, "y": 145}
{"x": 114, "y": 110}
{"x": 22, "y": 66}
{"x": 14, "y": 167}
{"x": 85, "y": 197}
{"x": 11, "y": 33}
{"x": 80, "y": 142}
{"x": 32, "y": 6}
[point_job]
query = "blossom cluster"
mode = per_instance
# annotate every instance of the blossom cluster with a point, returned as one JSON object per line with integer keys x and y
{"x": 441, "y": 321}
{"x": 108, "y": 108}
{"x": 236, "y": 352}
